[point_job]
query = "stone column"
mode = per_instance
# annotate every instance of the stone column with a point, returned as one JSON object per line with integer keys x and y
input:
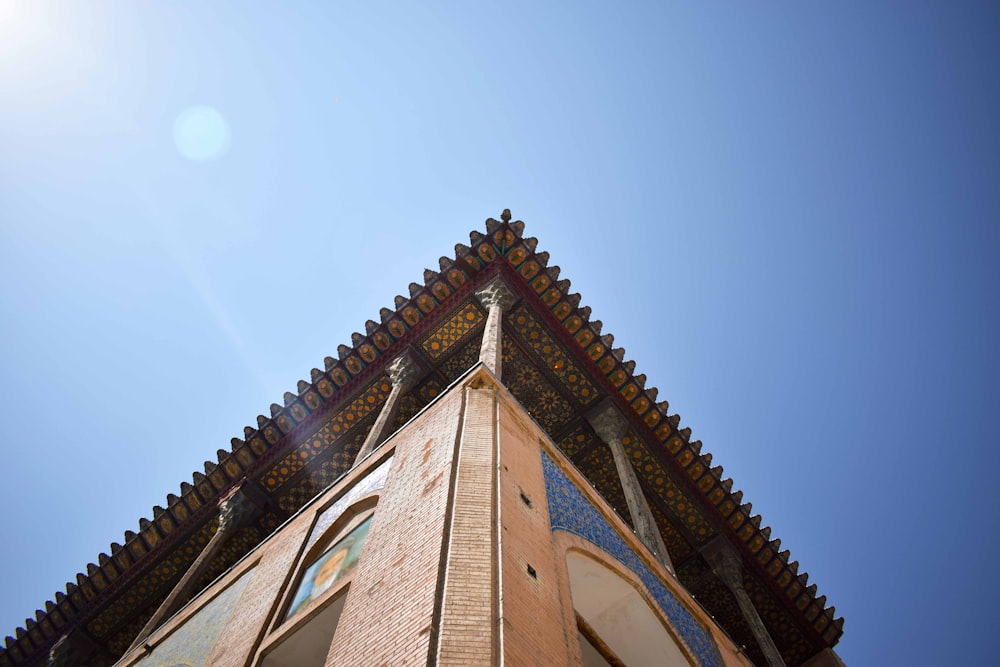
{"x": 610, "y": 427}
{"x": 234, "y": 512}
{"x": 727, "y": 566}
{"x": 497, "y": 298}
{"x": 403, "y": 372}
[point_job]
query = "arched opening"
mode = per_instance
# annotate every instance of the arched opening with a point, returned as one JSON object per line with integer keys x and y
{"x": 616, "y": 625}
{"x": 318, "y": 600}
{"x": 335, "y": 564}
{"x": 310, "y": 643}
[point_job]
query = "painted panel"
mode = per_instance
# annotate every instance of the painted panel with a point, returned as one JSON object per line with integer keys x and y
{"x": 338, "y": 562}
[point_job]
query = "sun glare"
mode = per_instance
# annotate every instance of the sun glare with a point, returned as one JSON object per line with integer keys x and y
{"x": 6, "y": 12}
{"x": 201, "y": 134}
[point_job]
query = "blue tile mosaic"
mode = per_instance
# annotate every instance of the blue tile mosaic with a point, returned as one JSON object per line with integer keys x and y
{"x": 570, "y": 510}
{"x": 374, "y": 481}
{"x": 191, "y": 643}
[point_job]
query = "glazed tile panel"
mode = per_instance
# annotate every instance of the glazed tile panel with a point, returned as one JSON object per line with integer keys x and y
{"x": 373, "y": 482}
{"x": 191, "y": 643}
{"x": 570, "y": 510}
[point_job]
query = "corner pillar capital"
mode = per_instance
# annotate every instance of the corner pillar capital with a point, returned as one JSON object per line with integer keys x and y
{"x": 496, "y": 294}
{"x": 404, "y": 372}
{"x": 496, "y": 297}
{"x": 234, "y": 511}
{"x": 725, "y": 563}
{"x": 608, "y": 423}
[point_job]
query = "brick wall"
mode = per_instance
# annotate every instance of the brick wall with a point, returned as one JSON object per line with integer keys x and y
{"x": 534, "y": 622}
{"x": 468, "y": 601}
{"x": 387, "y": 619}
{"x": 270, "y": 577}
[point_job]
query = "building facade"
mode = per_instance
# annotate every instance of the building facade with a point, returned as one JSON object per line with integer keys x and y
{"x": 478, "y": 479}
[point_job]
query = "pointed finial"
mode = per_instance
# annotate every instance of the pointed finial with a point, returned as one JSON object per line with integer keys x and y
{"x": 505, "y": 216}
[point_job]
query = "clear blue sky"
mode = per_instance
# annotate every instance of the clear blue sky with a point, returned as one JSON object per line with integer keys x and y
{"x": 786, "y": 213}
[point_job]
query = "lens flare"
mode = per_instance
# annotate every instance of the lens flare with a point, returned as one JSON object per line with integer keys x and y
{"x": 201, "y": 134}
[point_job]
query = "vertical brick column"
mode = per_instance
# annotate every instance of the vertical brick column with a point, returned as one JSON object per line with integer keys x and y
{"x": 403, "y": 372}
{"x": 727, "y": 566}
{"x": 388, "y": 618}
{"x": 468, "y": 609}
{"x": 536, "y": 626}
{"x": 610, "y": 427}
{"x": 496, "y": 298}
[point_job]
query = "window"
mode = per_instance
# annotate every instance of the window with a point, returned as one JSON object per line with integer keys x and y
{"x": 307, "y": 628}
{"x": 336, "y": 564}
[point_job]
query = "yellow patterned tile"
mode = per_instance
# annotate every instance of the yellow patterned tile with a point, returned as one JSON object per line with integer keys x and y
{"x": 328, "y": 434}
{"x": 552, "y": 354}
{"x": 443, "y": 339}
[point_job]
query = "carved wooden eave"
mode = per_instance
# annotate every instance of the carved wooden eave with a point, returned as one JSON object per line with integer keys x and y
{"x": 339, "y": 402}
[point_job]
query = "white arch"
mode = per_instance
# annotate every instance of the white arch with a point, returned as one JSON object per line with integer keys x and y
{"x": 620, "y": 615}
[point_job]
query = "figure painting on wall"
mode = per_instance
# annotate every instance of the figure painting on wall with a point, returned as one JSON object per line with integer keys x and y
{"x": 336, "y": 563}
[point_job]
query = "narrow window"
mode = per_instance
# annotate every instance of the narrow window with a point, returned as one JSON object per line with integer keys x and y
{"x": 336, "y": 564}
{"x": 318, "y": 601}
